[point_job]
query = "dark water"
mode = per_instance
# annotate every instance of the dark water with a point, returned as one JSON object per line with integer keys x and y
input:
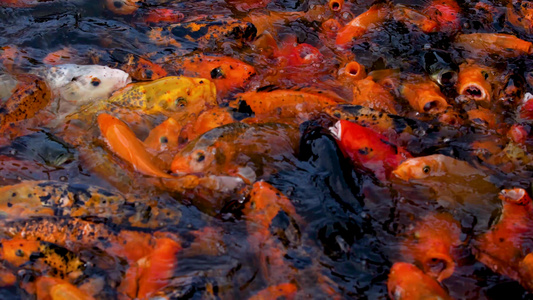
{"x": 353, "y": 222}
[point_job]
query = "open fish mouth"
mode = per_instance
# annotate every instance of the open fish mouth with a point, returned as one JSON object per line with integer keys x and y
{"x": 474, "y": 90}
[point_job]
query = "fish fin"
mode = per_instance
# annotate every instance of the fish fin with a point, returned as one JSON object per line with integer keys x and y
{"x": 247, "y": 173}
{"x": 335, "y": 130}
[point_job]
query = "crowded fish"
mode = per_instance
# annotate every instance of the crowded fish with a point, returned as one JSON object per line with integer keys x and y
{"x": 265, "y": 149}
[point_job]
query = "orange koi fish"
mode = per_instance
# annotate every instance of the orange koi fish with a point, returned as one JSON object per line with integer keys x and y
{"x": 368, "y": 149}
{"x": 285, "y": 103}
{"x": 424, "y": 96}
{"x": 238, "y": 149}
{"x": 122, "y": 7}
{"x": 494, "y": 43}
{"x": 142, "y": 69}
{"x": 520, "y": 14}
{"x": 407, "y": 15}
{"x": 156, "y": 16}
{"x": 59, "y": 289}
{"x": 474, "y": 81}
{"x": 31, "y": 94}
{"x": 504, "y": 247}
{"x": 367, "y": 92}
{"x": 484, "y": 118}
{"x": 431, "y": 243}
{"x": 264, "y": 205}
{"x": 407, "y": 282}
{"x": 209, "y": 119}
{"x": 352, "y": 72}
{"x": 336, "y": 5}
{"x": 225, "y": 72}
{"x": 43, "y": 256}
{"x": 434, "y": 166}
{"x": 164, "y": 136}
{"x": 447, "y": 13}
{"x": 372, "y": 18}
{"x": 125, "y": 144}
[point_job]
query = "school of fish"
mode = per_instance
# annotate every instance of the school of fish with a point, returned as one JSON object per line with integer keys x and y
{"x": 266, "y": 149}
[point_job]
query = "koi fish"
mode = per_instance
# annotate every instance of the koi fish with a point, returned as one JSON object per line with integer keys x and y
{"x": 352, "y": 72}
{"x": 408, "y": 282}
{"x": 520, "y": 15}
{"x": 266, "y": 202}
{"x": 226, "y": 73}
{"x": 238, "y": 149}
{"x": 30, "y": 95}
{"x": 141, "y": 69}
{"x": 435, "y": 165}
{"x": 55, "y": 288}
{"x": 125, "y": 144}
{"x": 164, "y": 136}
{"x": 122, "y": 7}
{"x": 424, "y": 96}
{"x": 447, "y": 13}
{"x": 207, "y": 120}
{"x": 285, "y": 103}
{"x": 391, "y": 126}
{"x": 367, "y": 92}
{"x": 372, "y": 18}
{"x": 431, "y": 243}
{"x": 177, "y": 97}
{"x": 41, "y": 147}
{"x": 410, "y": 16}
{"x": 505, "y": 245}
{"x": 506, "y": 45}
{"x": 440, "y": 67}
{"x": 474, "y": 81}
{"x": 58, "y": 260}
{"x": 77, "y": 85}
{"x": 163, "y": 15}
{"x": 368, "y": 149}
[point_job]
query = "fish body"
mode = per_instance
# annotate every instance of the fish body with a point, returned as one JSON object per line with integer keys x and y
{"x": 226, "y": 73}
{"x": 431, "y": 244}
{"x": 238, "y": 149}
{"x": 435, "y": 165}
{"x": 368, "y": 149}
{"x": 369, "y": 93}
{"x": 506, "y": 244}
{"x": 79, "y": 85}
{"x": 125, "y": 144}
{"x": 285, "y": 103}
{"x": 175, "y": 96}
{"x": 407, "y": 282}
{"x": 506, "y": 45}
{"x": 424, "y": 95}
{"x": 371, "y": 18}
{"x": 30, "y": 95}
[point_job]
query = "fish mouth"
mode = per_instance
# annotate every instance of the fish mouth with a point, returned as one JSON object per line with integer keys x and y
{"x": 439, "y": 266}
{"x": 516, "y": 196}
{"x": 434, "y": 105}
{"x": 475, "y": 91}
{"x": 446, "y": 77}
{"x": 335, "y": 130}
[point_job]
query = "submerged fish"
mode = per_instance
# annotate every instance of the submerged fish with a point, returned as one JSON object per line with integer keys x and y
{"x": 77, "y": 85}
{"x": 239, "y": 149}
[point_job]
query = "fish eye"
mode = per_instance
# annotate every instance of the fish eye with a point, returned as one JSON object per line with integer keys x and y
{"x": 217, "y": 73}
{"x": 200, "y": 156}
{"x": 163, "y": 140}
{"x": 485, "y": 74}
{"x": 181, "y": 102}
{"x": 95, "y": 81}
{"x": 74, "y": 79}
{"x": 426, "y": 169}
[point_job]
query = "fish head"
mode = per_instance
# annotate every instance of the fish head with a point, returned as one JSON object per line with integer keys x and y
{"x": 196, "y": 157}
{"x": 83, "y": 83}
{"x": 420, "y": 168}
